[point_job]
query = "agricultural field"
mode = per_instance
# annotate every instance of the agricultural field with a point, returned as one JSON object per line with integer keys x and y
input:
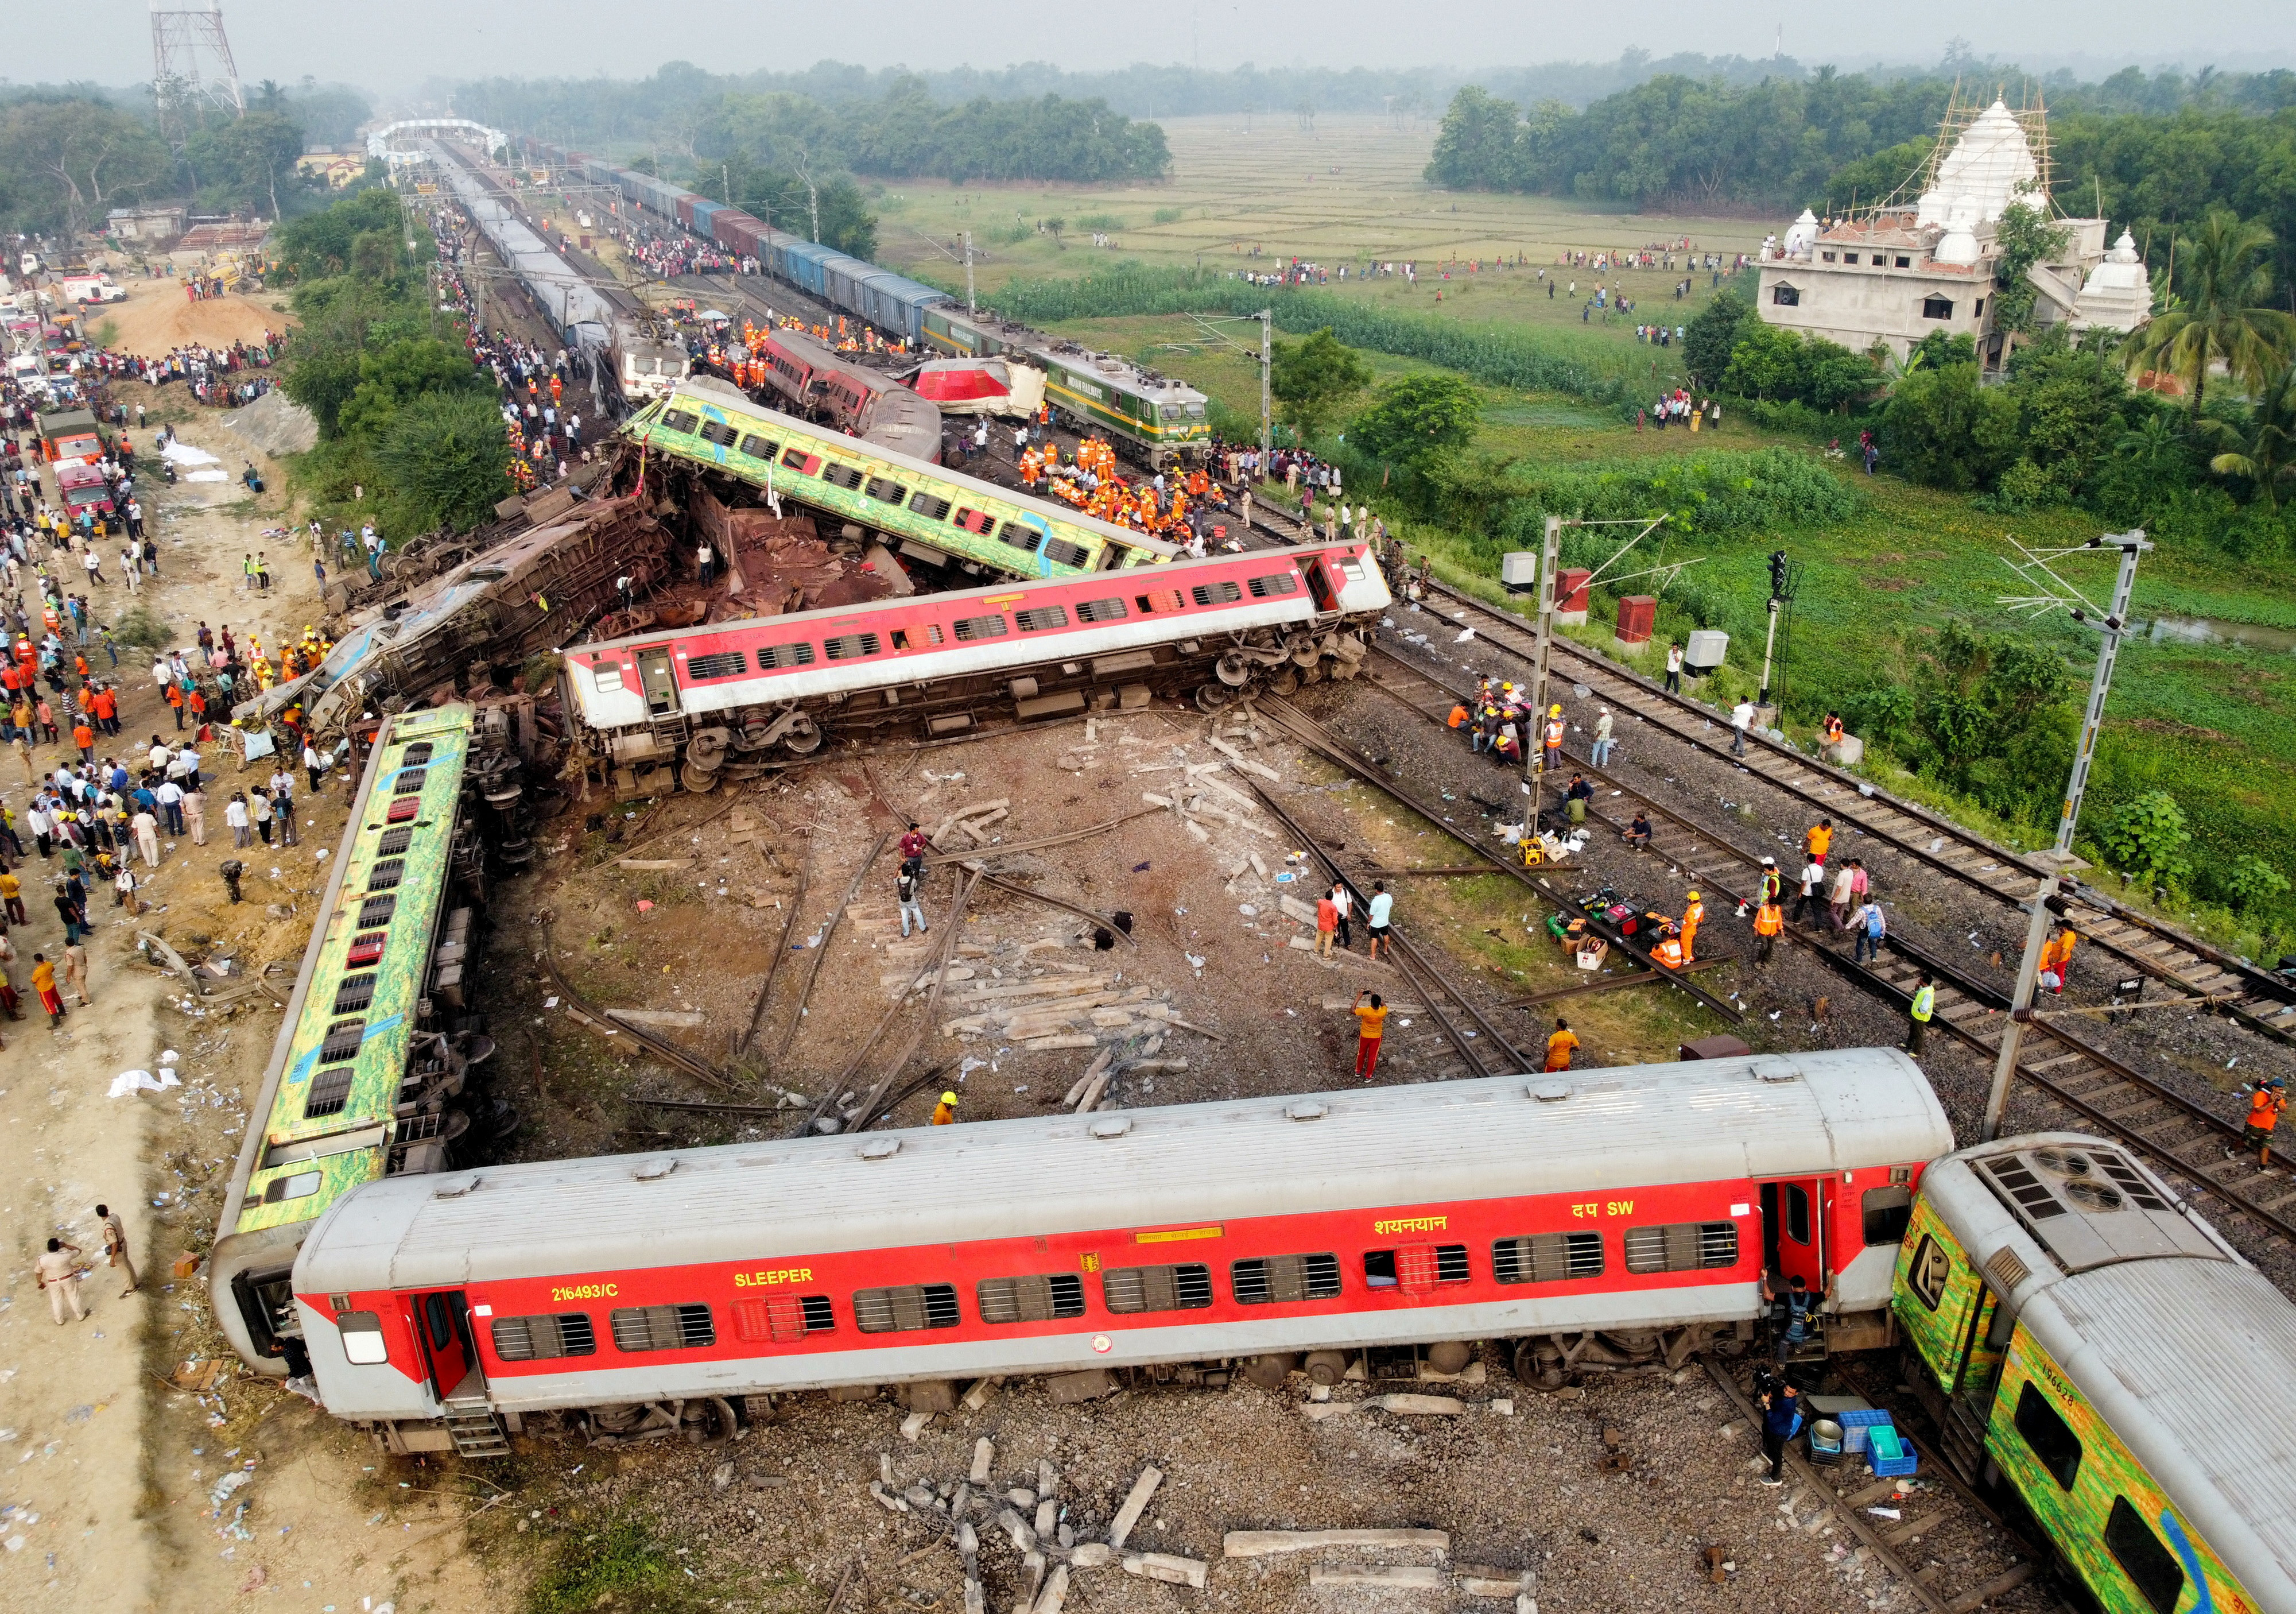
{"x": 2202, "y": 707}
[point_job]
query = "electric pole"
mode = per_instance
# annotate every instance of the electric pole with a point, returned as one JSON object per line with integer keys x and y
{"x": 1266, "y": 387}
{"x": 2058, "y": 862}
{"x": 1534, "y": 750}
{"x": 971, "y": 306}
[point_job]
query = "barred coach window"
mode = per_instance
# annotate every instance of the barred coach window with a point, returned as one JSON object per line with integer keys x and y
{"x": 1032, "y": 1298}
{"x": 1682, "y": 1246}
{"x": 1274, "y": 1280}
{"x": 1547, "y": 1258}
{"x": 663, "y": 1328}
{"x": 906, "y": 1307}
{"x": 533, "y": 1338}
{"x": 1184, "y": 1288}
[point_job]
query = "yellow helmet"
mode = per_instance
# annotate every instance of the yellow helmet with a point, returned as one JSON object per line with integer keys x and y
{"x": 1694, "y": 896}
{"x": 1555, "y": 712}
{"x": 948, "y": 1098}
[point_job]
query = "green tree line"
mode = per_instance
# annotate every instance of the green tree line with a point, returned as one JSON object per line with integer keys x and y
{"x": 411, "y": 434}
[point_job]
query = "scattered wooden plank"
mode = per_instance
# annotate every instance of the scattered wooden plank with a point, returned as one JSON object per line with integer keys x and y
{"x": 653, "y": 864}
{"x": 682, "y": 1019}
{"x": 1264, "y": 1544}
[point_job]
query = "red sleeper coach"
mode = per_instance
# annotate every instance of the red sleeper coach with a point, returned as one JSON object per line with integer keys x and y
{"x": 1598, "y": 1220}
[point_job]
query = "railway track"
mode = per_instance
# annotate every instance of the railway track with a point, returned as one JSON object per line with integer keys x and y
{"x": 2250, "y": 997}
{"x": 1938, "y": 1513}
{"x": 2186, "y": 1140}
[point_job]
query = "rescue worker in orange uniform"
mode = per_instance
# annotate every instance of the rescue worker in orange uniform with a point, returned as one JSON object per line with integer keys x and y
{"x": 2263, "y": 1108}
{"x": 945, "y": 1112}
{"x": 2056, "y": 955}
{"x": 1551, "y": 738}
{"x": 1668, "y": 951}
{"x": 1692, "y": 917}
{"x": 1769, "y": 924}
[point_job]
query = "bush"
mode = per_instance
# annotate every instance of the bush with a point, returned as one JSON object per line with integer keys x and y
{"x": 2252, "y": 886}
{"x": 141, "y": 625}
{"x": 1944, "y": 428}
{"x": 2145, "y": 838}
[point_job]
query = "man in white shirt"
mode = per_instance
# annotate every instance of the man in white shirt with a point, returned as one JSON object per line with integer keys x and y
{"x": 1741, "y": 718}
{"x": 170, "y": 796}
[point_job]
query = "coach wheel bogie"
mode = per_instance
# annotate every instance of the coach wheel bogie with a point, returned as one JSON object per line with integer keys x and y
{"x": 804, "y": 738}
{"x": 1212, "y": 698}
{"x": 1232, "y": 669}
{"x": 1326, "y": 1367}
{"x": 699, "y": 780}
{"x": 1286, "y": 682}
{"x": 1450, "y": 1356}
{"x": 710, "y": 1421}
{"x": 1538, "y": 1366}
{"x": 1269, "y": 1372}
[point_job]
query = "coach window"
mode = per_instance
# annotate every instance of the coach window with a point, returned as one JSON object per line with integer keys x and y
{"x": 1161, "y": 600}
{"x": 2150, "y": 1567}
{"x": 1273, "y": 584}
{"x": 1275, "y": 1280}
{"x": 1931, "y": 1270}
{"x": 606, "y": 676}
{"x": 533, "y": 1338}
{"x": 1797, "y": 1212}
{"x": 663, "y": 1328}
{"x": 918, "y": 638}
{"x": 1020, "y": 535}
{"x": 971, "y": 628}
{"x": 363, "y": 1342}
{"x": 1547, "y": 1258}
{"x": 1225, "y": 591}
{"x": 1063, "y": 552}
{"x": 1184, "y": 1288}
{"x": 851, "y": 647}
{"x": 1038, "y": 619}
{"x": 2050, "y": 1436}
{"x": 905, "y": 1307}
{"x": 1101, "y": 611}
{"x": 783, "y": 1319}
{"x": 1682, "y": 1246}
{"x": 1415, "y": 1268}
{"x": 1033, "y": 1297}
{"x": 1886, "y": 1211}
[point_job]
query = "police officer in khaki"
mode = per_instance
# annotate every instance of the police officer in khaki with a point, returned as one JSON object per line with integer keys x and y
{"x": 115, "y": 1247}
{"x": 59, "y": 1273}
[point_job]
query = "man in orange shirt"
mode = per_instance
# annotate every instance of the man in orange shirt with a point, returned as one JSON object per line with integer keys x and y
{"x": 84, "y": 737}
{"x": 1818, "y": 840}
{"x": 107, "y": 709}
{"x": 2263, "y": 1108}
{"x": 1560, "y": 1045}
{"x": 1371, "y": 1025}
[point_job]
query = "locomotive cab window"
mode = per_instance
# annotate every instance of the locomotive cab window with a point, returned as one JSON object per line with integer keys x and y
{"x": 1277, "y": 1279}
{"x": 1887, "y": 1212}
{"x": 2053, "y": 1443}
{"x": 1184, "y": 1287}
{"x": 2150, "y": 1567}
{"x": 1030, "y": 1298}
{"x": 905, "y": 1307}
{"x": 1931, "y": 1270}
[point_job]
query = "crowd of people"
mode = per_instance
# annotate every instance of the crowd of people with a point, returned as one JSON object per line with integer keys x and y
{"x": 226, "y": 377}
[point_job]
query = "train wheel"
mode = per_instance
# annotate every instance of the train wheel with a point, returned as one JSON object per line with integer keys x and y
{"x": 711, "y": 1422}
{"x": 1286, "y": 682}
{"x": 1450, "y": 1356}
{"x": 804, "y": 738}
{"x": 1538, "y": 1366}
{"x": 1233, "y": 670}
{"x": 1269, "y": 1372}
{"x": 1326, "y": 1367}
{"x": 1213, "y": 697}
{"x": 701, "y": 781}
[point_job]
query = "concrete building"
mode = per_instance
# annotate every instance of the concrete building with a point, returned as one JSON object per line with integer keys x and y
{"x": 155, "y": 225}
{"x": 1900, "y": 270}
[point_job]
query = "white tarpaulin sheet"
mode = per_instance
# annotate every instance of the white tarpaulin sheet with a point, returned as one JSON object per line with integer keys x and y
{"x": 184, "y": 454}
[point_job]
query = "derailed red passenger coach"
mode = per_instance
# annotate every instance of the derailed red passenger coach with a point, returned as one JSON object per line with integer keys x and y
{"x": 746, "y": 694}
{"x": 1599, "y": 1219}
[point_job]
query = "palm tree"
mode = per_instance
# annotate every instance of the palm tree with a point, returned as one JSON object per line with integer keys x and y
{"x": 2263, "y": 448}
{"x": 2227, "y": 283}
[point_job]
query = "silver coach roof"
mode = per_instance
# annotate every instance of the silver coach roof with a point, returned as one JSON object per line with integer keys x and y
{"x": 1631, "y": 1126}
{"x": 2170, "y": 1335}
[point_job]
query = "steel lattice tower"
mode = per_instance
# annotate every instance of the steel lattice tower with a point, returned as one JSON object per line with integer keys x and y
{"x": 190, "y": 62}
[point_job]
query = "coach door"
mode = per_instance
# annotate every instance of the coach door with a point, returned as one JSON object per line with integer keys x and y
{"x": 660, "y": 684}
{"x": 443, "y": 1321}
{"x": 1793, "y": 1230}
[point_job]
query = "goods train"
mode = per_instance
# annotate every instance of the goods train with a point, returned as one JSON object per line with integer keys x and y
{"x": 590, "y": 319}
{"x": 2084, "y": 1340}
{"x": 1157, "y": 419}
{"x": 750, "y": 693}
{"x": 938, "y": 516}
{"x": 362, "y": 1076}
{"x": 1597, "y": 1219}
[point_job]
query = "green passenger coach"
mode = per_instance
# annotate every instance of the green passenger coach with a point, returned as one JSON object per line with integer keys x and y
{"x": 2086, "y": 1341}
{"x": 353, "y": 1088}
{"x": 930, "y": 514}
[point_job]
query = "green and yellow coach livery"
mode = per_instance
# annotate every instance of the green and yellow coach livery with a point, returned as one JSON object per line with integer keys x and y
{"x": 355, "y": 1085}
{"x": 2086, "y": 1341}
{"x": 929, "y": 513}
{"x": 1155, "y": 419}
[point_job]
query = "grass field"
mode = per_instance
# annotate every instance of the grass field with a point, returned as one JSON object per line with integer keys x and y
{"x": 2212, "y": 722}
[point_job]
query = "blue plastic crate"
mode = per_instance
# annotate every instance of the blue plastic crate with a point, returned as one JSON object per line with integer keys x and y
{"x": 1887, "y": 1454}
{"x": 1856, "y": 1422}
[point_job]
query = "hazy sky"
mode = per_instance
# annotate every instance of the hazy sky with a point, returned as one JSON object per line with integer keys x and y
{"x": 390, "y": 46}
